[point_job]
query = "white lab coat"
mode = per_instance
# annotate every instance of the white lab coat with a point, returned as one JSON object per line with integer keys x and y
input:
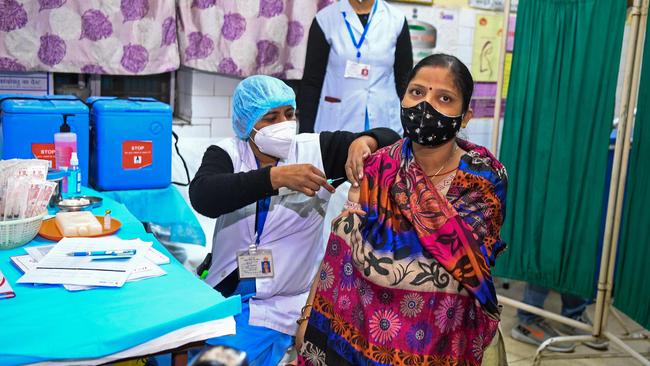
{"x": 377, "y": 94}
{"x": 293, "y": 232}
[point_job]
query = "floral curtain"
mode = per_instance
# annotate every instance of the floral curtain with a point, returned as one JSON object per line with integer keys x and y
{"x": 233, "y": 37}
{"x": 89, "y": 36}
{"x": 245, "y": 37}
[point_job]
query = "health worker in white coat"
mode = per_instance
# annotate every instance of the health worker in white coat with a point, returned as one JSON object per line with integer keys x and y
{"x": 268, "y": 189}
{"x": 358, "y": 58}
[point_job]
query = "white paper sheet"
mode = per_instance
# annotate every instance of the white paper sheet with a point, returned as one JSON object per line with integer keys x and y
{"x": 6, "y": 292}
{"x": 57, "y": 267}
{"x": 142, "y": 268}
{"x": 156, "y": 257}
{"x": 24, "y": 262}
{"x": 38, "y": 252}
{"x": 152, "y": 254}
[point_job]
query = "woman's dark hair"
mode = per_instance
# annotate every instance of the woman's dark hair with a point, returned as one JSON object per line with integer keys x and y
{"x": 462, "y": 76}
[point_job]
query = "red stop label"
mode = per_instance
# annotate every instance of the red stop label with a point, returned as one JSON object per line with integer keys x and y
{"x": 45, "y": 152}
{"x": 137, "y": 154}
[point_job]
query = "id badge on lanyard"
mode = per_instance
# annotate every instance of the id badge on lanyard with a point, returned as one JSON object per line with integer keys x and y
{"x": 255, "y": 262}
{"x": 355, "y": 69}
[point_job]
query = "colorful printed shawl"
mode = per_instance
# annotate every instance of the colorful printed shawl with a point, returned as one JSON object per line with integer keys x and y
{"x": 410, "y": 282}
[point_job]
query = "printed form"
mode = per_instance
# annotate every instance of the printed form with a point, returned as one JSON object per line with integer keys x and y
{"x": 58, "y": 267}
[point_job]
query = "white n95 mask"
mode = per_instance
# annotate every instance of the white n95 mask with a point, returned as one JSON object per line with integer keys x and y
{"x": 276, "y": 139}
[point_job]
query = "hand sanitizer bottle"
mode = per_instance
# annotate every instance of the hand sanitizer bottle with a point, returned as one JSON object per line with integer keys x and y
{"x": 75, "y": 175}
{"x": 65, "y": 143}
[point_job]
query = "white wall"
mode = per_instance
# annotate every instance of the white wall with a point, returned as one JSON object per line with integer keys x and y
{"x": 203, "y": 115}
{"x": 204, "y": 103}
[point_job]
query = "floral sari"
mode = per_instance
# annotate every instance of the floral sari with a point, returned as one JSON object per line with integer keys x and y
{"x": 410, "y": 283}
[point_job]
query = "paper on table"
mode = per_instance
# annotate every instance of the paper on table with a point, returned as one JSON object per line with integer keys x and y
{"x": 6, "y": 292}
{"x": 38, "y": 252}
{"x": 156, "y": 256}
{"x": 152, "y": 254}
{"x": 142, "y": 268}
{"x": 25, "y": 263}
{"x": 57, "y": 267}
{"x": 145, "y": 269}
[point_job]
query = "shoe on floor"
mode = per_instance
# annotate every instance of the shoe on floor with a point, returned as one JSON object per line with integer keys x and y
{"x": 538, "y": 332}
{"x": 598, "y": 344}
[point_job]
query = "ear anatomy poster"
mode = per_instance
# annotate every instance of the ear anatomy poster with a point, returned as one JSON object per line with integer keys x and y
{"x": 487, "y": 43}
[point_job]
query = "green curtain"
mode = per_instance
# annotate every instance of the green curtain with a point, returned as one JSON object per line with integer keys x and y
{"x": 631, "y": 289}
{"x": 555, "y": 140}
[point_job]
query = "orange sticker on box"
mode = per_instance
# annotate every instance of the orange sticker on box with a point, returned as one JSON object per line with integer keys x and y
{"x": 45, "y": 152}
{"x": 137, "y": 154}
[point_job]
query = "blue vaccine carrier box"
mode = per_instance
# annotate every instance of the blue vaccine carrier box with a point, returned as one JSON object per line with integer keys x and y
{"x": 29, "y": 123}
{"x": 131, "y": 143}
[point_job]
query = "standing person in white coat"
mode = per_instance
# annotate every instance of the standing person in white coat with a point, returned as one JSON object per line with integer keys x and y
{"x": 268, "y": 189}
{"x": 358, "y": 58}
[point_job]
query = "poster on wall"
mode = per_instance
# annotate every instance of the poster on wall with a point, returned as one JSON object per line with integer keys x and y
{"x": 484, "y": 99}
{"x": 487, "y": 44}
{"x": 34, "y": 83}
{"x": 422, "y": 2}
{"x": 510, "y": 39}
{"x": 487, "y": 4}
{"x": 433, "y": 29}
{"x": 506, "y": 75}
{"x": 451, "y": 3}
{"x": 492, "y": 4}
{"x": 447, "y": 22}
{"x": 485, "y": 63}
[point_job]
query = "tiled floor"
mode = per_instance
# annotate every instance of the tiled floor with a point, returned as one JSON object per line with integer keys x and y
{"x": 521, "y": 354}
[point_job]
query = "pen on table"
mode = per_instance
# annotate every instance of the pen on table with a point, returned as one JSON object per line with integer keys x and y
{"x": 125, "y": 252}
{"x": 330, "y": 181}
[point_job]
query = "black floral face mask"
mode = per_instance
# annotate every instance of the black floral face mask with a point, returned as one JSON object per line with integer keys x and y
{"x": 425, "y": 125}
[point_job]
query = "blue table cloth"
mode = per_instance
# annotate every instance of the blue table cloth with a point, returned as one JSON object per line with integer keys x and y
{"x": 50, "y": 323}
{"x": 165, "y": 207}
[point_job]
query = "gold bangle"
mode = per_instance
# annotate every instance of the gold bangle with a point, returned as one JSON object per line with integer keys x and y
{"x": 302, "y": 311}
{"x": 302, "y": 319}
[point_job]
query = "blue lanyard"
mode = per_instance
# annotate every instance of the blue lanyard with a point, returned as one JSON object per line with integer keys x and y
{"x": 261, "y": 212}
{"x": 365, "y": 30}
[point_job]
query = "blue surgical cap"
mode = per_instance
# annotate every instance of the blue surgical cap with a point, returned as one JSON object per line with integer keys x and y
{"x": 254, "y": 97}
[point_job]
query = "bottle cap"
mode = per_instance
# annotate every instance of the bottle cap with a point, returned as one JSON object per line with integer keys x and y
{"x": 74, "y": 160}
